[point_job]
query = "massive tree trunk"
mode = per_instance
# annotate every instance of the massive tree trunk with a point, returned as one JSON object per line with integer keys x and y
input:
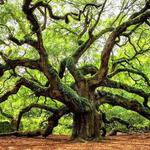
{"x": 86, "y": 125}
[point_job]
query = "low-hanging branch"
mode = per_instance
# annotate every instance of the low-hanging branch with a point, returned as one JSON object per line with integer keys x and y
{"x": 34, "y": 133}
{"x": 116, "y": 119}
{"x": 28, "y": 108}
{"x": 117, "y": 100}
{"x": 13, "y": 63}
{"x": 113, "y": 119}
{"x": 24, "y": 82}
{"x": 110, "y": 121}
{"x": 128, "y": 88}
{"x": 52, "y": 122}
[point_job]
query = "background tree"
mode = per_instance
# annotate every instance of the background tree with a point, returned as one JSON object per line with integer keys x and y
{"x": 83, "y": 54}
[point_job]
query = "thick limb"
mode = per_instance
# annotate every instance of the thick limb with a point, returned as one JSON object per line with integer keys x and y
{"x": 28, "y": 108}
{"x": 137, "y": 72}
{"x": 117, "y": 100}
{"x": 110, "y": 121}
{"x": 24, "y": 82}
{"x": 13, "y": 63}
{"x": 53, "y": 120}
{"x": 110, "y": 43}
{"x": 128, "y": 88}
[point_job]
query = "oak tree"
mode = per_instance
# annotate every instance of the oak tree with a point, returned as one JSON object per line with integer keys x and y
{"x": 117, "y": 32}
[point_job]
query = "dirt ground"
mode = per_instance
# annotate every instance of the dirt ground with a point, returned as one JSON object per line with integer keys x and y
{"x": 57, "y": 142}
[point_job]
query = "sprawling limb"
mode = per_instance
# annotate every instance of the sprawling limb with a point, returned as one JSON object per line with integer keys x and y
{"x": 103, "y": 71}
{"x": 52, "y": 122}
{"x": 13, "y": 63}
{"x": 128, "y": 88}
{"x": 57, "y": 90}
{"x": 52, "y": 15}
{"x": 144, "y": 9}
{"x": 28, "y": 108}
{"x": 35, "y": 27}
{"x": 82, "y": 49}
{"x": 137, "y": 52}
{"x": 91, "y": 30}
{"x": 13, "y": 121}
{"x": 76, "y": 16}
{"x": 116, "y": 119}
{"x": 117, "y": 100}
{"x": 78, "y": 53}
{"x": 46, "y": 68}
{"x": 112, "y": 120}
{"x": 21, "y": 134}
{"x": 138, "y": 72}
{"x": 24, "y": 82}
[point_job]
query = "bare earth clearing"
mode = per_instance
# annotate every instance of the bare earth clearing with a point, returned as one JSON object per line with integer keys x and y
{"x": 57, "y": 142}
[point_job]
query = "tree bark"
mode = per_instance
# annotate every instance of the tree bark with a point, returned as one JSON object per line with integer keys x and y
{"x": 87, "y": 125}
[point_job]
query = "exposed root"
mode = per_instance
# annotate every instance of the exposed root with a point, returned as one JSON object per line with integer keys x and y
{"x": 78, "y": 139}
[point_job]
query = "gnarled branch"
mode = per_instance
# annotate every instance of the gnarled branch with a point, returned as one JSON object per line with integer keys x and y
{"x": 24, "y": 82}
{"x": 28, "y": 108}
{"x": 137, "y": 72}
{"x": 117, "y": 100}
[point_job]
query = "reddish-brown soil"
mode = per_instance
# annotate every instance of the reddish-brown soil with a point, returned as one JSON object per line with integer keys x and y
{"x": 57, "y": 142}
